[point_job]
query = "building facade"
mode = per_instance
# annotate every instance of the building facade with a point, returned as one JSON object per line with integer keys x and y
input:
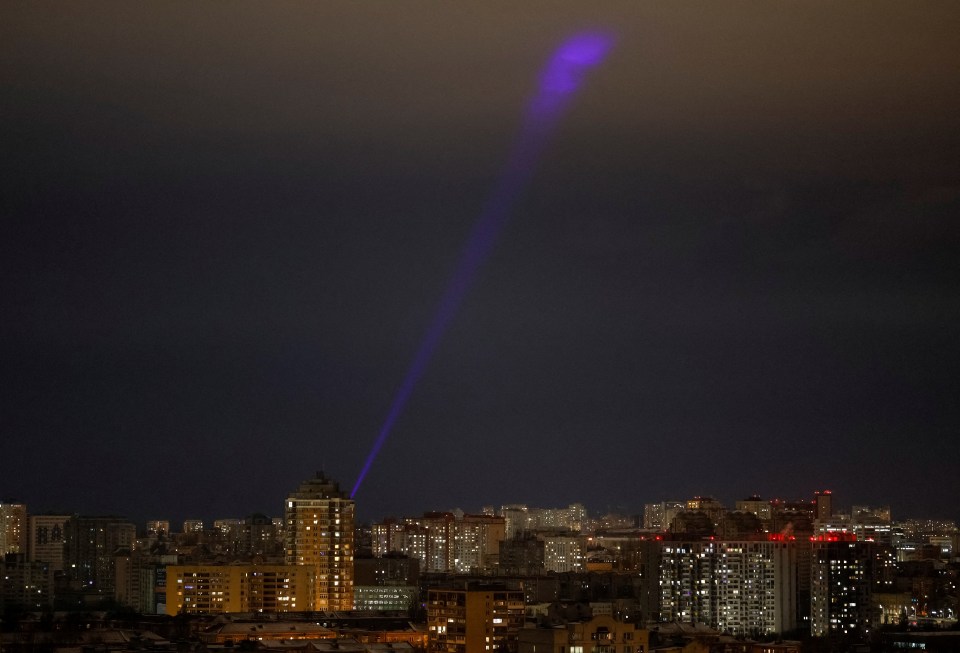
{"x": 47, "y": 537}
{"x": 319, "y": 534}
{"x": 13, "y": 528}
{"x": 386, "y": 583}
{"x": 25, "y": 584}
{"x": 747, "y": 588}
{"x": 406, "y": 537}
{"x": 90, "y": 546}
{"x": 841, "y": 578}
{"x": 564, "y": 553}
{"x": 659, "y": 516}
{"x": 474, "y": 617}
{"x": 476, "y": 538}
{"x": 599, "y": 634}
{"x": 442, "y": 541}
{"x": 218, "y": 589}
{"x": 823, "y": 505}
{"x": 158, "y": 527}
{"x": 193, "y": 526}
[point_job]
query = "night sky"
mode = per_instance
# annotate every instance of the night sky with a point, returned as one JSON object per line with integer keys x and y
{"x": 227, "y": 226}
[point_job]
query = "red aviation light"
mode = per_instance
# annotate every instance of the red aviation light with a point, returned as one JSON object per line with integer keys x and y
{"x": 781, "y": 537}
{"x": 839, "y": 536}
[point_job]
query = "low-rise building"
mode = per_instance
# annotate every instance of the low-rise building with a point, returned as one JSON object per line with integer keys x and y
{"x": 473, "y": 617}
{"x": 215, "y": 589}
{"x": 600, "y": 634}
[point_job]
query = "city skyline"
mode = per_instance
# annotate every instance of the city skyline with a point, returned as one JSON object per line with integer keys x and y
{"x": 760, "y": 576}
{"x": 733, "y": 269}
{"x": 594, "y": 514}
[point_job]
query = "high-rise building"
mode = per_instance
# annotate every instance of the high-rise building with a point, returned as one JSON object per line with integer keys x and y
{"x": 791, "y": 517}
{"x": 870, "y": 515}
{"x": 141, "y": 579}
{"x": 259, "y": 536}
{"x": 687, "y": 570}
{"x": 647, "y": 567}
{"x": 864, "y": 529}
{"x": 441, "y": 534}
{"x": 158, "y": 527}
{"x": 516, "y": 516}
{"x": 46, "y": 540}
{"x": 138, "y": 577}
{"x": 756, "y": 587}
{"x": 476, "y": 537}
{"x": 228, "y": 533}
{"x": 823, "y": 505}
{"x": 193, "y": 526}
{"x": 841, "y": 582}
{"x": 90, "y": 545}
{"x": 756, "y": 505}
{"x": 442, "y": 541}
{"x": 13, "y": 528}
{"x": 522, "y": 554}
{"x": 407, "y": 537}
{"x": 658, "y": 516}
{"x": 746, "y": 587}
{"x": 708, "y": 506}
{"x": 384, "y": 537}
{"x": 319, "y": 534}
{"x": 227, "y": 526}
{"x": 473, "y": 617}
{"x": 564, "y": 553}
{"x": 572, "y": 518}
{"x": 653, "y": 516}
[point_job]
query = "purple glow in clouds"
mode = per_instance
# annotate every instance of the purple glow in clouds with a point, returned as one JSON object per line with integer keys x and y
{"x": 566, "y": 68}
{"x": 560, "y": 78}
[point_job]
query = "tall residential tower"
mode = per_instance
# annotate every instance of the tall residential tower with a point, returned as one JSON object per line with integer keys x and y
{"x": 13, "y": 528}
{"x": 319, "y": 533}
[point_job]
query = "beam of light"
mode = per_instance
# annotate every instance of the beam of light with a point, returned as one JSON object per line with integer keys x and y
{"x": 559, "y": 80}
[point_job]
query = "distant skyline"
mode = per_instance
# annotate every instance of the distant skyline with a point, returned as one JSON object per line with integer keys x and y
{"x": 226, "y": 228}
{"x": 595, "y": 512}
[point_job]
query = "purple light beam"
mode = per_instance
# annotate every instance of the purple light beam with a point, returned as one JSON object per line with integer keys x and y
{"x": 560, "y": 79}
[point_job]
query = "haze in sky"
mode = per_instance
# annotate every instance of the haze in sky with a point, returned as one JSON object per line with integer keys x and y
{"x": 226, "y": 229}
